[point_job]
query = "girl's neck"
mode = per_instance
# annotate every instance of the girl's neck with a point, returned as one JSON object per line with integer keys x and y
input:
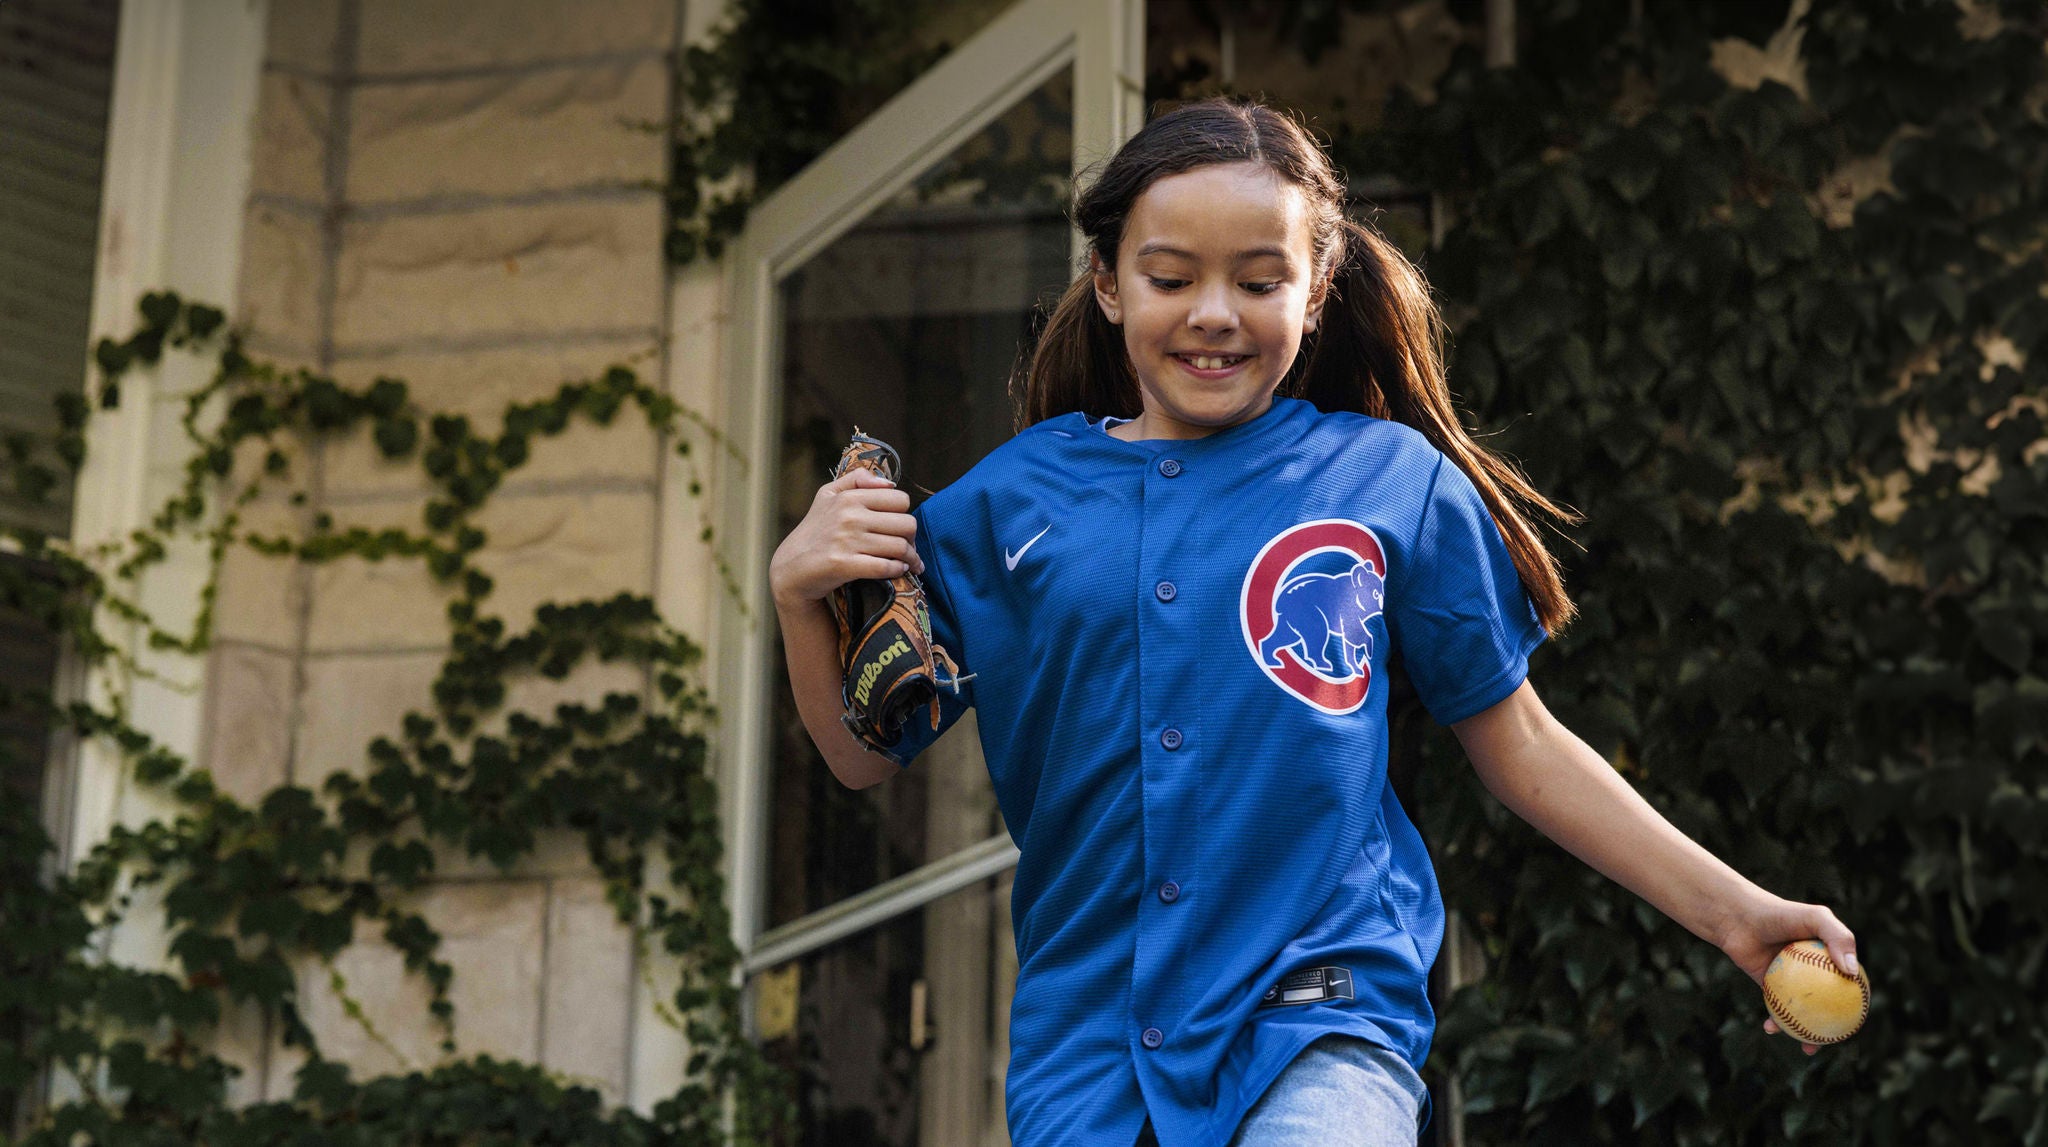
{"x": 1147, "y": 427}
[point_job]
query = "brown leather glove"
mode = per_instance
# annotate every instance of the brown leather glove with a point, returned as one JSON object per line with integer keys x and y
{"x": 885, "y": 634}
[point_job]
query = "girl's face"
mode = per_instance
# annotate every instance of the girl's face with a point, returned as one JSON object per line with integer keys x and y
{"x": 1213, "y": 290}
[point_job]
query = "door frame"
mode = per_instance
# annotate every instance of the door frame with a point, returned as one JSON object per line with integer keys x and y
{"x": 1103, "y": 41}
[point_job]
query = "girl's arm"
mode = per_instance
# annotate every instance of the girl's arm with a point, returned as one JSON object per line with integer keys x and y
{"x": 1556, "y": 782}
{"x": 858, "y": 526}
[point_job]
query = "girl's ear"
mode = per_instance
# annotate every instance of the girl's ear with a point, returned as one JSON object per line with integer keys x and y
{"x": 1316, "y": 299}
{"x": 1105, "y": 289}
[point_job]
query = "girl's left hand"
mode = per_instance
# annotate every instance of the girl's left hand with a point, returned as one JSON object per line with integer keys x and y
{"x": 1755, "y": 939}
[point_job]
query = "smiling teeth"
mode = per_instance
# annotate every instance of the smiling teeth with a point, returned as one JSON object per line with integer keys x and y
{"x": 1212, "y": 362}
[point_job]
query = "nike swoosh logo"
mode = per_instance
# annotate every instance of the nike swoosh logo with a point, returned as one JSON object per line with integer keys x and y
{"x": 1011, "y": 560}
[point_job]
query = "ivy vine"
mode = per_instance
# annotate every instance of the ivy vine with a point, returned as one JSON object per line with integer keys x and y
{"x": 774, "y": 85}
{"x": 1805, "y": 419}
{"x": 249, "y": 891}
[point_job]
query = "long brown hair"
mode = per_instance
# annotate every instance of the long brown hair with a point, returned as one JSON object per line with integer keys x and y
{"x": 1379, "y": 349}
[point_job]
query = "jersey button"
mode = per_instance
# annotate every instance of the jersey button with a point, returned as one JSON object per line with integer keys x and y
{"x": 1166, "y": 591}
{"x": 1170, "y": 468}
{"x": 1152, "y": 1038}
{"x": 1171, "y": 739}
{"x": 1169, "y": 892}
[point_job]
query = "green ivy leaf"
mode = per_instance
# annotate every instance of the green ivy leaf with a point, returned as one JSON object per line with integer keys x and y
{"x": 396, "y": 436}
{"x": 160, "y": 308}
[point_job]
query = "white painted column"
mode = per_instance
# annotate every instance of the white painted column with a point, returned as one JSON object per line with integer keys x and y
{"x": 177, "y": 172}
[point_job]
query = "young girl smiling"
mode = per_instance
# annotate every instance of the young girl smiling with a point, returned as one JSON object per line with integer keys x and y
{"x": 1241, "y": 486}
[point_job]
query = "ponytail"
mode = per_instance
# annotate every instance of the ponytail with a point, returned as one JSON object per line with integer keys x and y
{"x": 1379, "y": 352}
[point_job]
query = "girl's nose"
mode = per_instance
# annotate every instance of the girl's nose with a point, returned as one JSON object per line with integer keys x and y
{"x": 1211, "y": 311}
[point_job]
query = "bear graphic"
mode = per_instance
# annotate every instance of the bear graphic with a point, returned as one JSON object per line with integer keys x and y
{"x": 1312, "y": 607}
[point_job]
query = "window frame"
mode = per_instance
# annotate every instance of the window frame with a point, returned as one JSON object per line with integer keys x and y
{"x": 1033, "y": 40}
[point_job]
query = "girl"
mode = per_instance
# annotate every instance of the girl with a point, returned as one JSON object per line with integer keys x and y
{"x": 1240, "y": 486}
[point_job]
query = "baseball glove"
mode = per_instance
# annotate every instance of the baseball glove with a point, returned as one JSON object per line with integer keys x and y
{"x": 885, "y": 634}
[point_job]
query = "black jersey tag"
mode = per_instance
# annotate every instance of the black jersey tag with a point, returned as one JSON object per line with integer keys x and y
{"x": 1310, "y": 986}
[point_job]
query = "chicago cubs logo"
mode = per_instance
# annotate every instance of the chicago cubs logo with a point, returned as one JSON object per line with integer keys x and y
{"x": 1309, "y": 599}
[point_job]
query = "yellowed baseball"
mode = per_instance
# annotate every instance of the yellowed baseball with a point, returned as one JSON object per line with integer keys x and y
{"x": 1813, "y": 1000}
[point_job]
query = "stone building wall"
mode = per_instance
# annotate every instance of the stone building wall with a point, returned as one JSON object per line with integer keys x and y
{"x": 452, "y": 193}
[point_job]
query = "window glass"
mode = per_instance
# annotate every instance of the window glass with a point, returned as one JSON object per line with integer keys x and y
{"x": 901, "y": 1033}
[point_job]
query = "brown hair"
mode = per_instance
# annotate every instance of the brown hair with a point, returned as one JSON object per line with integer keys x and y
{"x": 1379, "y": 349}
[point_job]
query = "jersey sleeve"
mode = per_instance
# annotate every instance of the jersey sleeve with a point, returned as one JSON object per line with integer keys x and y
{"x": 918, "y": 733}
{"x": 1461, "y": 619}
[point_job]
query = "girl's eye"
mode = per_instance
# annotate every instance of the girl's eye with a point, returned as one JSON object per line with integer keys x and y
{"x": 1176, "y": 284}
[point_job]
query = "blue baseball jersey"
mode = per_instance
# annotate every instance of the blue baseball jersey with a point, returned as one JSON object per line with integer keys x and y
{"x": 1180, "y": 653}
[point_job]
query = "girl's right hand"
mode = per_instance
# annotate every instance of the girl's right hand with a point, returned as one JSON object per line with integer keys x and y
{"x": 859, "y": 526}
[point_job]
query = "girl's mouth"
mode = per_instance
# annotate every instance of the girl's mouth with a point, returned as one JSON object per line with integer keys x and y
{"x": 1211, "y": 365}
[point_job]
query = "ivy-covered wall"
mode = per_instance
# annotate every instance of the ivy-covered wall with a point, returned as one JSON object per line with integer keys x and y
{"x": 449, "y": 812}
{"x": 266, "y": 903}
{"x": 1783, "y": 344}
{"x": 462, "y": 197}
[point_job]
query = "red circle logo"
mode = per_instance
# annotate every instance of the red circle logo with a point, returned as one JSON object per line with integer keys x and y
{"x": 1309, "y": 629}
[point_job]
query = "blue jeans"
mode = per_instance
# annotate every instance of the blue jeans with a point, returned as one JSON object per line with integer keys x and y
{"x": 1341, "y": 1091}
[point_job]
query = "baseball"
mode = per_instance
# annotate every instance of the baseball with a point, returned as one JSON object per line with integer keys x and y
{"x": 1812, "y": 1000}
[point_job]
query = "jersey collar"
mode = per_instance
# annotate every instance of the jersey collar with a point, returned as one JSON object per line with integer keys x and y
{"x": 1283, "y": 413}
